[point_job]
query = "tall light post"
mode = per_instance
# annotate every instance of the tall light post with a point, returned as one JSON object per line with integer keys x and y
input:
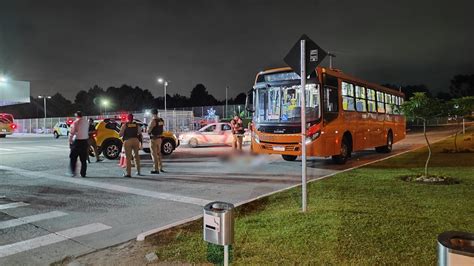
{"x": 165, "y": 84}
{"x": 226, "y": 88}
{"x": 105, "y": 103}
{"x": 44, "y": 97}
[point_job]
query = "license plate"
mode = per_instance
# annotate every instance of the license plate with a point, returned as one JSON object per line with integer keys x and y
{"x": 278, "y": 148}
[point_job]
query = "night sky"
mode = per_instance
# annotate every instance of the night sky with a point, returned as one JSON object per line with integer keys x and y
{"x": 67, "y": 46}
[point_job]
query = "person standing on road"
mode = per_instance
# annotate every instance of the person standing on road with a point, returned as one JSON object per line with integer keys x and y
{"x": 155, "y": 130}
{"x": 131, "y": 134}
{"x": 79, "y": 144}
{"x": 237, "y": 132}
{"x": 92, "y": 142}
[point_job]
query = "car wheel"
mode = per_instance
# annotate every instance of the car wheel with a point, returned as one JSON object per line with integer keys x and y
{"x": 56, "y": 135}
{"x": 167, "y": 147}
{"x": 112, "y": 150}
{"x": 289, "y": 158}
{"x": 193, "y": 143}
{"x": 344, "y": 152}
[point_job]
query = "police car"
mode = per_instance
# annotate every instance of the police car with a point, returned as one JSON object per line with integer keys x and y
{"x": 61, "y": 129}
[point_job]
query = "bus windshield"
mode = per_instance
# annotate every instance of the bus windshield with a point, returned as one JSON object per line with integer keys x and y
{"x": 283, "y": 104}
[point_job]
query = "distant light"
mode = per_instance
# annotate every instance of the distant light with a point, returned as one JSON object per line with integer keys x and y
{"x": 105, "y": 102}
{"x": 160, "y": 80}
{"x": 3, "y": 79}
{"x": 147, "y": 112}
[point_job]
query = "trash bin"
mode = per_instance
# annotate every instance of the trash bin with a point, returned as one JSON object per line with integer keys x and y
{"x": 219, "y": 223}
{"x": 455, "y": 248}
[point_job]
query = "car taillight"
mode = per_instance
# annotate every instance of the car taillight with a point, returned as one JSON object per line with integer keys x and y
{"x": 94, "y": 135}
{"x": 13, "y": 126}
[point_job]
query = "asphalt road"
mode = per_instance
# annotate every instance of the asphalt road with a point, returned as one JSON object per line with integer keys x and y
{"x": 46, "y": 215}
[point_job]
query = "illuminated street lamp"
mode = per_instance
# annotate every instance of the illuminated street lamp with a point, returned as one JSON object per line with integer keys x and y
{"x": 3, "y": 79}
{"x": 105, "y": 103}
{"x": 44, "y": 97}
{"x": 165, "y": 84}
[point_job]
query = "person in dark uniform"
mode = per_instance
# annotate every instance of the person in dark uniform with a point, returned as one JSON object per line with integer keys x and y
{"x": 155, "y": 129}
{"x": 131, "y": 135}
{"x": 79, "y": 144}
{"x": 92, "y": 142}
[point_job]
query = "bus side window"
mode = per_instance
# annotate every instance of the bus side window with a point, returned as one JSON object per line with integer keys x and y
{"x": 330, "y": 99}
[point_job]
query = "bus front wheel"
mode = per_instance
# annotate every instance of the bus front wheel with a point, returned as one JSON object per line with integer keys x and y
{"x": 344, "y": 152}
{"x": 289, "y": 158}
{"x": 387, "y": 148}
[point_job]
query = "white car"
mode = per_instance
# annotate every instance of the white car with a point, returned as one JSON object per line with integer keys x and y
{"x": 212, "y": 134}
{"x": 61, "y": 129}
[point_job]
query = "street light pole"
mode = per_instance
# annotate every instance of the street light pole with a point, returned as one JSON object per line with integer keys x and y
{"x": 165, "y": 84}
{"x": 44, "y": 97}
{"x": 226, "y": 88}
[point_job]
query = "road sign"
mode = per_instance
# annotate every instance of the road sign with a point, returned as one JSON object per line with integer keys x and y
{"x": 313, "y": 56}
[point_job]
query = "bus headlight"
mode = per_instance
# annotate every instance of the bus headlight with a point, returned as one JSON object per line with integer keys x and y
{"x": 312, "y": 137}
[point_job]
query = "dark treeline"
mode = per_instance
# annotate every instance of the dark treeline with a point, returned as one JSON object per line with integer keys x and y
{"x": 128, "y": 98}
{"x": 123, "y": 98}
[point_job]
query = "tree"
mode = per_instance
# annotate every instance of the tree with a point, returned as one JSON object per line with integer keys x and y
{"x": 422, "y": 107}
{"x": 462, "y": 85}
{"x": 459, "y": 109}
{"x": 201, "y": 97}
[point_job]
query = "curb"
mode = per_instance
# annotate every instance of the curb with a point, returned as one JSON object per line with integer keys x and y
{"x": 144, "y": 235}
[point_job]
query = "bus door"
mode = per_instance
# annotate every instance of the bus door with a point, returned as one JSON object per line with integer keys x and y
{"x": 330, "y": 114}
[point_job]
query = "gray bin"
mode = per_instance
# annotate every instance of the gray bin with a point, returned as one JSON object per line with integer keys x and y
{"x": 218, "y": 225}
{"x": 455, "y": 248}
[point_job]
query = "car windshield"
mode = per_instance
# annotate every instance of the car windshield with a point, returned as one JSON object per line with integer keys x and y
{"x": 283, "y": 104}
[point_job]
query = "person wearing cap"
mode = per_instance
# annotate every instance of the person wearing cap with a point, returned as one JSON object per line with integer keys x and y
{"x": 237, "y": 132}
{"x": 79, "y": 144}
{"x": 155, "y": 130}
{"x": 131, "y": 134}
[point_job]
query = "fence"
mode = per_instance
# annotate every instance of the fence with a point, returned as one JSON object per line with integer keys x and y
{"x": 217, "y": 110}
{"x": 175, "y": 121}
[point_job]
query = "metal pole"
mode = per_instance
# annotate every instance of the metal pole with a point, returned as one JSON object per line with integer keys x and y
{"x": 166, "y": 84}
{"x": 303, "y": 126}
{"x": 44, "y": 122}
{"x": 226, "y": 255}
{"x": 463, "y": 127}
{"x": 225, "y": 112}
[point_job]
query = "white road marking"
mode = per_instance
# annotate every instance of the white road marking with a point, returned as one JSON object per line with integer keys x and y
{"x": 4, "y": 149}
{"x": 108, "y": 186}
{"x": 49, "y": 239}
{"x": 12, "y": 205}
{"x": 31, "y": 219}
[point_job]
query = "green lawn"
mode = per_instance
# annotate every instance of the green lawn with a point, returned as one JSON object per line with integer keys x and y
{"x": 365, "y": 216}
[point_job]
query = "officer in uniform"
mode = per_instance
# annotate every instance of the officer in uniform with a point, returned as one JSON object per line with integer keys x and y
{"x": 155, "y": 129}
{"x": 131, "y": 135}
{"x": 237, "y": 132}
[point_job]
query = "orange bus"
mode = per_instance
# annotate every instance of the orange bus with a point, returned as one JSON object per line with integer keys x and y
{"x": 343, "y": 114}
{"x": 7, "y": 125}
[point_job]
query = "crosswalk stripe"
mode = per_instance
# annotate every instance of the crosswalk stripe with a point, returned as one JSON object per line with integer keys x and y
{"x": 31, "y": 219}
{"x": 49, "y": 239}
{"x": 12, "y": 205}
{"x": 108, "y": 186}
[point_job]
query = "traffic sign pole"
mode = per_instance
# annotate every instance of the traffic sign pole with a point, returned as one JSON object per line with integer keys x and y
{"x": 303, "y": 126}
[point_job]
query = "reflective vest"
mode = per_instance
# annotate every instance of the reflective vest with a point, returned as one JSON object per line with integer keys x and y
{"x": 131, "y": 130}
{"x": 157, "y": 130}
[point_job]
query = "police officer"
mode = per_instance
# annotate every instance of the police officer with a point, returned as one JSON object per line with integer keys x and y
{"x": 237, "y": 132}
{"x": 131, "y": 135}
{"x": 155, "y": 129}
